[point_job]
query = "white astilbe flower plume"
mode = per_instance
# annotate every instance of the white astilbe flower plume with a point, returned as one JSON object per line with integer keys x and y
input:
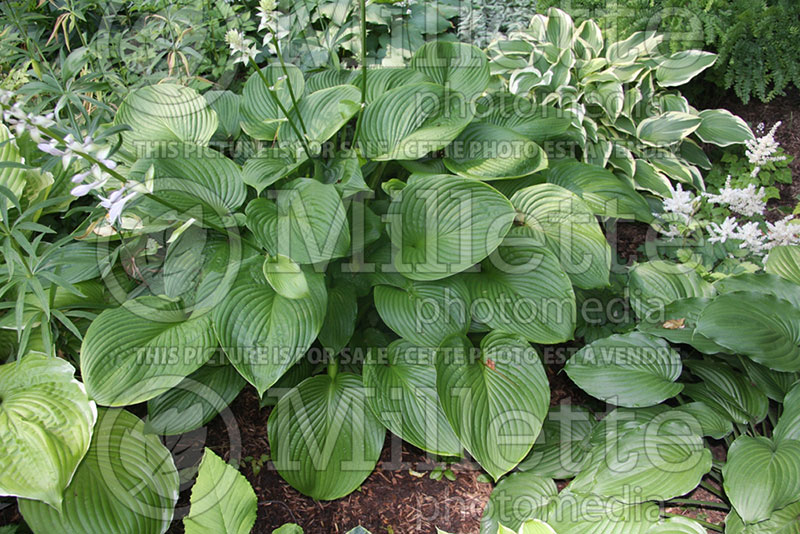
{"x": 747, "y": 201}
{"x": 753, "y": 239}
{"x": 682, "y": 203}
{"x": 762, "y": 149}
{"x": 783, "y": 232}
{"x": 719, "y": 233}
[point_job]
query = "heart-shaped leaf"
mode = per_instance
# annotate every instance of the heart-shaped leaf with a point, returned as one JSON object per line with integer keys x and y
{"x": 654, "y": 284}
{"x": 727, "y": 391}
{"x": 517, "y": 498}
{"x": 460, "y": 67}
{"x": 788, "y": 426}
{"x": 319, "y": 115}
{"x": 563, "y": 446}
{"x": 785, "y": 262}
{"x": 783, "y": 521}
{"x": 261, "y": 114}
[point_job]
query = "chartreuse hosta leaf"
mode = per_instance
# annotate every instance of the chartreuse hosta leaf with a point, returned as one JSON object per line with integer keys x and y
{"x": 761, "y": 476}
{"x": 655, "y": 284}
{"x": 722, "y": 128}
{"x": 662, "y": 459}
{"x": 522, "y": 289}
{"x": 788, "y": 426}
{"x": 727, "y": 391}
{"x": 425, "y": 313}
{"x": 571, "y": 232}
{"x": 668, "y": 128}
{"x": 783, "y": 521}
{"x": 261, "y": 114}
{"x": 323, "y": 113}
{"x": 682, "y": 66}
{"x": 784, "y": 261}
{"x": 402, "y": 384}
{"x": 46, "y": 423}
{"x": 127, "y": 481}
{"x": 489, "y": 396}
{"x": 485, "y": 151}
{"x": 762, "y": 326}
{"x": 307, "y": 222}
{"x": 440, "y": 225}
{"x": 143, "y": 348}
{"x": 162, "y": 114}
{"x": 285, "y": 276}
{"x": 602, "y": 191}
{"x": 517, "y": 498}
{"x": 324, "y": 439}
{"x": 678, "y": 525}
{"x": 462, "y": 68}
{"x": 263, "y": 333}
{"x": 196, "y": 400}
{"x": 633, "y": 370}
{"x": 411, "y": 121}
{"x": 222, "y": 499}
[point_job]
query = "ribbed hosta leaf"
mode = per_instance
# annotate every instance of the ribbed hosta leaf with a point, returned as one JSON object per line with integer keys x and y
{"x": 522, "y": 289}
{"x": 286, "y": 277}
{"x": 340, "y": 318}
{"x": 324, "y": 439}
{"x": 602, "y": 191}
{"x": 535, "y": 526}
{"x": 46, "y": 423}
{"x": 682, "y": 66}
{"x": 263, "y": 333}
{"x": 226, "y": 105}
{"x": 573, "y": 513}
{"x": 411, "y": 121}
{"x": 307, "y": 222}
{"x": 502, "y": 391}
{"x": 788, "y": 426}
{"x": 678, "y": 525}
{"x": 126, "y": 483}
{"x": 485, "y": 151}
{"x": 662, "y": 459}
{"x": 269, "y": 165}
{"x": 712, "y": 422}
{"x": 727, "y": 391}
{"x": 785, "y": 262}
{"x": 676, "y": 323}
{"x": 633, "y": 370}
{"x": 425, "y": 313}
{"x": 323, "y": 113}
{"x": 195, "y": 401}
{"x": 535, "y": 121}
{"x": 623, "y": 421}
{"x": 783, "y": 521}
{"x": 653, "y": 285}
{"x": 403, "y": 397}
{"x": 441, "y": 225}
{"x": 516, "y": 498}
{"x": 222, "y": 502}
{"x": 774, "y": 384}
{"x": 667, "y": 128}
{"x": 761, "y": 476}
{"x": 563, "y": 446}
{"x": 571, "y": 231}
{"x": 722, "y": 128}
{"x": 382, "y": 80}
{"x": 261, "y": 115}
{"x": 143, "y": 348}
{"x": 764, "y": 327}
{"x": 460, "y": 67}
{"x": 769, "y": 284}
{"x": 163, "y": 114}
{"x": 329, "y": 78}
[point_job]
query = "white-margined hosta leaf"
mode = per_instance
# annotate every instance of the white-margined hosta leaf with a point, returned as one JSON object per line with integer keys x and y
{"x": 722, "y": 128}
{"x": 727, "y": 391}
{"x": 126, "y": 481}
{"x": 563, "y": 446}
{"x": 441, "y": 225}
{"x": 261, "y": 114}
{"x": 46, "y": 423}
{"x": 402, "y": 384}
{"x": 324, "y": 439}
{"x": 163, "y": 114}
{"x": 307, "y": 222}
{"x": 785, "y": 262}
{"x": 263, "y": 333}
{"x": 517, "y": 498}
{"x": 571, "y": 232}
{"x": 668, "y": 128}
{"x": 462, "y": 68}
{"x": 682, "y": 66}
{"x": 323, "y": 113}
{"x": 633, "y": 370}
{"x": 143, "y": 348}
{"x": 654, "y": 284}
{"x": 492, "y": 395}
{"x": 761, "y": 476}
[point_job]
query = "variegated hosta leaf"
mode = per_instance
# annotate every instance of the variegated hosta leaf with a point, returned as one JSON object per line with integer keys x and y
{"x": 263, "y": 333}
{"x": 402, "y": 384}
{"x": 222, "y": 500}
{"x": 655, "y": 284}
{"x": 563, "y": 446}
{"x": 441, "y": 225}
{"x": 261, "y": 114}
{"x": 517, "y": 498}
{"x": 143, "y": 348}
{"x": 783, "y": 521}
{"x": 668, "y": 128}
{"x": 46, "y": 423}
{"x": 460, "y": 67}
{"x": 126, "y": 481}
{"x": 761, "y": 476}
{"x": 682, "y": 66}
{"x": 163, "y": 114}
{"x": 788, "y": 426}
{"x": 727, "y": 391}
{"x": 571, "y": 232}
{"x": 633, "y": 370}
{"x": 324, "y": 439}
{"x": 491, "y": 396}
{"x": 784, "y": 261}
{"x": 722, "y": 128}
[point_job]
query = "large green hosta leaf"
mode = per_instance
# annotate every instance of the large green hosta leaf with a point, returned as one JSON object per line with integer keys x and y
{"x": 160, "y": 115}
{"x": 324, "y": 439}
{"x": 522, "y": 289}
{"x": 788, "y": 426}
{"x": 492, "y": 396}
{"x": 713, "y": 423}
{"x": 222, "y": 502}
{"x": 676, "y": 322}
{"x": 783, "y": 521}
{"x": 441, "y": 225}
{"x": 46, "y": 423}
{"x": 678, "y": 525}
{"x": 574, "y": 513}
{"x": 261, "y": 115}
{"x": 307, "y": 222}
{"x": 761, "y": 476}
{"x": 633, "y": 370}
{"x": 761, "y": 283}
{"x": 762, "y": 326}
{"x": 655, "y": 284}
{"x": 516, "y": 498}
{"x": 785, "y": 262}
{"x": 727, "y": 391}
{"x": 425, "y": 313}
{"x": 269, "y": 165}
{"x": 571, "y": 231}
{"x": 537, "y": 122}
{"x": 126, "y": 483}
{"x": 403, "y": 397}
{"x": 340, "y": 318}
{"x": 143, "y": 348}
{"x": 462, "y": 68}
{"x": 563, "y": 446}
{"x": 263, "y": 333}
{"x": 411, "y": 121}
{"x": 323, "y": 113}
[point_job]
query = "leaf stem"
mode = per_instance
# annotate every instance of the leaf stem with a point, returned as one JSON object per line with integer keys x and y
{"x": 700, "y": 504}
{"x": 363, "y": 9}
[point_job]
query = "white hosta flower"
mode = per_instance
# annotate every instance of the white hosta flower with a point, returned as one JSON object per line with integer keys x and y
{"x": 747, "y": 201}
{"x": 682, "y": 203}
{"x": 242, "y": 49}
{"x": 116, "y": 202}
{"x": 783, "y": 232}
{"x": 266, "y": 15}
{"x": 719, "y": 233}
